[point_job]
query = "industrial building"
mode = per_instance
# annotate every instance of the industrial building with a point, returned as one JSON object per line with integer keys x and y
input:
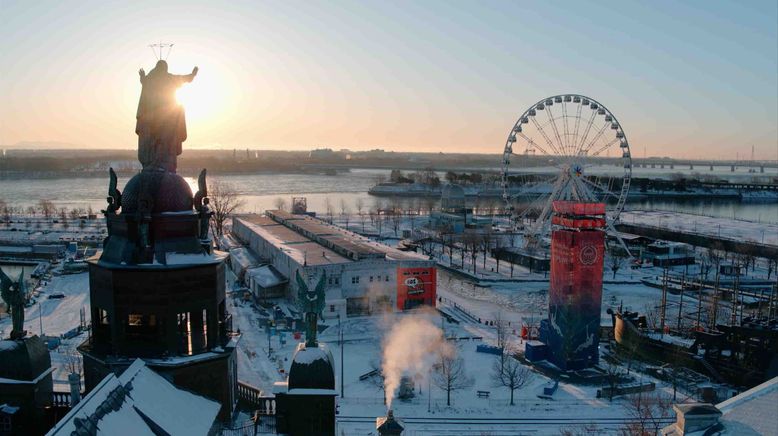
{"x": 361, "y": 276}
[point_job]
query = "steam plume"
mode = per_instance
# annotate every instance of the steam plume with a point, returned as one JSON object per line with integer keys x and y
{"x": 411, "y": 346}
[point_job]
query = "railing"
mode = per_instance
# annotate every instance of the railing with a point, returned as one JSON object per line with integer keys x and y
{"x": 265, "y": 425}
{"x": 253, "y": 398}
{"x": 60, "y": 399}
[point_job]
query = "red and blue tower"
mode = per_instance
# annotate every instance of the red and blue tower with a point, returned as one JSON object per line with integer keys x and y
{"x": 571, "y": 332}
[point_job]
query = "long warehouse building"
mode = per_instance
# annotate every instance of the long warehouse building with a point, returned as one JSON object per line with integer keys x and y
{"x": 362, "y": 276}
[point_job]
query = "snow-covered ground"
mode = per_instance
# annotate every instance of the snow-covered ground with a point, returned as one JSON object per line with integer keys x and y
{"x": 38, "y": 230}
{"x": 573, "y": 406}
{"x": 56, "y": 315}
{"x": 760, "y": 232}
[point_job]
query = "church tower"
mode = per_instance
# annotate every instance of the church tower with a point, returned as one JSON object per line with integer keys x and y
{"x": 157, "y": 291}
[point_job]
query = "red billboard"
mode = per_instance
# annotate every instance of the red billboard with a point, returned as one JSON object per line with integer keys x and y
{"x": 416, "y": 286}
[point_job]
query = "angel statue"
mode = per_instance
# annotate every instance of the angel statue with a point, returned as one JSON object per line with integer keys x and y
{"x": 114, "y": 195}
{"x": 312, "y": 304}
{"x": 13, "y": 294}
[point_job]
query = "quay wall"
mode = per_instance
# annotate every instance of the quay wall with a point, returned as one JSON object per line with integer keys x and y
{"x": 699, "y": 240}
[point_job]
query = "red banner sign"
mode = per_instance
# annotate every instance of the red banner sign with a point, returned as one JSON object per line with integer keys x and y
{"x": 416, "y": 286}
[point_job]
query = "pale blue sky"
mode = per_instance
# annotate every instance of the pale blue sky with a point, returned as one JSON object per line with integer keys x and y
{"x": 696, "y": 78}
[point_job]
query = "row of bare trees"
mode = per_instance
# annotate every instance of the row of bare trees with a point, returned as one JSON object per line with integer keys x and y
{"x": 44, "y": 209}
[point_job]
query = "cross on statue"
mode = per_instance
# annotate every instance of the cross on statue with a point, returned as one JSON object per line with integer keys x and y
{"x": 160, "y": 46}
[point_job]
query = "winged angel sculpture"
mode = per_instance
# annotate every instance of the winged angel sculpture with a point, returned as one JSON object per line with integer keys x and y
{"x": 13, "y": 294}
{"x": 312, "y": 304}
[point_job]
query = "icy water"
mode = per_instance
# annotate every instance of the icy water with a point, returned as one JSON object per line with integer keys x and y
{"x": 260, "y": 191}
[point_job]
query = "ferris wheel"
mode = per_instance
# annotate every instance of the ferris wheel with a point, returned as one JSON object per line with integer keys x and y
{"x": 565, "y": 147}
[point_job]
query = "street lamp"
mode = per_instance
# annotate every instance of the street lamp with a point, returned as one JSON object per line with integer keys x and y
{"x": 340, "y": 342}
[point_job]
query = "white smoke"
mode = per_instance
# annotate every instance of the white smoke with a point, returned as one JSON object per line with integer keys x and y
{"x": 411, "y": 347}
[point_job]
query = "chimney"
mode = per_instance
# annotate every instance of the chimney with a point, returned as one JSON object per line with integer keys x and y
{"x": 389, "y": 426}
{"x": 694, "y": 417}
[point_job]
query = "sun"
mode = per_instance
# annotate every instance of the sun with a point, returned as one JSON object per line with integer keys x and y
{"x": 201, "y": 99}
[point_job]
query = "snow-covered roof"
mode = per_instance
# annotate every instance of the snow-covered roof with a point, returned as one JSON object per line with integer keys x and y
{"x": 228, "y": 242}
{"x": 244, "y": 257}
{"x": 137, "y": 401}
{"x": 314, "y": 242}
{"x": 751, "y": 413}
{"x": 266, "y": 276}
{"x": 755, "y": 409}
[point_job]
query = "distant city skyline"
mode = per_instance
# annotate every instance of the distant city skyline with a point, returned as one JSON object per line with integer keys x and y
{"x": 686, "y": 80}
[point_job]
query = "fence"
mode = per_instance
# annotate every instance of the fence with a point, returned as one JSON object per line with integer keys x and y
{"x": 253, "y": 399}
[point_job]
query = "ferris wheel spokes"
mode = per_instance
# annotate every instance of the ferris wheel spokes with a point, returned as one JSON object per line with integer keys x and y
{"x": 571, "y": 144}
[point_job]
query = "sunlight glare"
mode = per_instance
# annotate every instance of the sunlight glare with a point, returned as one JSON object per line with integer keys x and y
{"x": 201, "y": 98}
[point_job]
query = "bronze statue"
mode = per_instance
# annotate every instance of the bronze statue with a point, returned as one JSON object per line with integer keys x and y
{"x": 312, "y": 304}
{"x": 161, "y": 125}
{"x": 201, "y": 205}
{"x": 14, "y": 295}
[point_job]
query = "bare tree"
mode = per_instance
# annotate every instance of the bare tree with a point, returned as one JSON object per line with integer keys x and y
{"x": 590, "y": 429}
{"x": 6, "y": 211}
{"x": 510, "y": 373}
{"x": 279, "y": 203}
{"x": 63, "y": 217}
{"x": 615, "y": 264}
{"x": 613, "y": 374}
{"x": 378, "y": 222}
{"x": 649, "y": 412}
{"x": 501, "y": 331}
{"x": 396, "y": 205}
{"x": 74, "y": 214}
{"x": 344, "y": 211}
{"x": 224, "y": 201}
{"x": 328, "y": 208}
{"x": 378, "y": 380}
{"x": 449, "y": 374}
{"x": 486, "y": 243}
{"x": 47, "y": 208}
{"x": 73, "y": 362}
{"x": 360, "y": 205}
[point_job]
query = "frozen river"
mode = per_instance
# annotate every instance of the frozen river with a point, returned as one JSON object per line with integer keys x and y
{"x": 260, "y": 191}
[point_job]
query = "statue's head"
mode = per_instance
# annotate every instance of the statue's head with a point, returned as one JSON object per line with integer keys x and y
{"x": 161, "y": 66}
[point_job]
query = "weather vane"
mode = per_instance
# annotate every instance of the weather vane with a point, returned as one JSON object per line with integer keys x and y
{"x": 161, "y": 46}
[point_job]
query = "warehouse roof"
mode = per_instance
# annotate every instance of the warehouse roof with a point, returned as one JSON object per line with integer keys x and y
{"x": 312, "y": 241}
{"x": 340, "y": 240}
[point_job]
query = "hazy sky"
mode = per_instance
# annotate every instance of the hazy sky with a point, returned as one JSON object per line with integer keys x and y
{"x": 692, "y": 78}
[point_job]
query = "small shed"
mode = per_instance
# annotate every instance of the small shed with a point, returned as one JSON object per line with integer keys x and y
{"x": 241, "y": 260}
{"x": 265, "y": 281}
